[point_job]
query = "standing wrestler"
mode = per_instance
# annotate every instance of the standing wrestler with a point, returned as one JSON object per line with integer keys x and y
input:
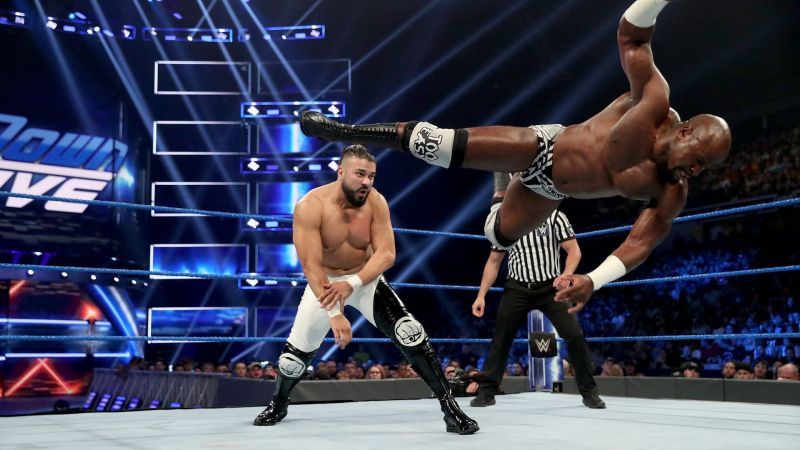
{"x": 534, "y": 275}
{"x": 637, "y": 147}
{"x": 344, "y": 240}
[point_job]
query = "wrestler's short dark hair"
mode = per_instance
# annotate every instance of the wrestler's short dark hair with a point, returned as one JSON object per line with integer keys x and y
{"x": 358, "y": 151}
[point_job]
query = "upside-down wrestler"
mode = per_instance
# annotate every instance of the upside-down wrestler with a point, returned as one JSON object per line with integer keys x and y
{"x": 636, "y": 147}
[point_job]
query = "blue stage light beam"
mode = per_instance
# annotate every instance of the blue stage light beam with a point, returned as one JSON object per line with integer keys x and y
{"x": 413, "y": 20}
{"x": 430, "y": 69}
{"x": 284, "y": 62}
{"x": 66, "y": 75}
{"x": 540, "y": 27}
{"x": 307, "y": 13}
{"x": 203, "y": 302}
{"x": 442, "y": 60}
{"x": 125, "y": 74}
{"x": 599, "y": 33}
{"x": 173, "y": 170}
{"x": 263, "y": 75}
{"x": 242, "y": 88}
{"x": 594, "y": 80}
{"x": 134, "y": 92}
{"x": 123, "y": 320}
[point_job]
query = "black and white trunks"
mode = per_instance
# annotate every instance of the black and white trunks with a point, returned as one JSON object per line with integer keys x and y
{"x": 538, "y": 177}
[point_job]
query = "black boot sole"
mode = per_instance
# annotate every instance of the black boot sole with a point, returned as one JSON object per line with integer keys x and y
{"x": 470, "y": 430}
{"x": 269, "y": 424}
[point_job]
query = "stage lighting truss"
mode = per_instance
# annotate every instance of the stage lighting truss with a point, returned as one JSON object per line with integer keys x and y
{"x": 274, "y": 110}
{"x": 14, "y": 19}
{"x": 86, "y": 28}
{"x": 289, "y": 167}
{"x": 294, "y": 33}
{"x": 188, "y": 34}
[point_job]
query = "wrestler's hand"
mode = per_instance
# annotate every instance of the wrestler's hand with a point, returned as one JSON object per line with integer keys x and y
{"x": 561, "y": 282}
{"x": 338, "y": 291}
{"x": 578, "y": 294}
{"x": 342, "y": 332}
{"x": 477, "y": 307}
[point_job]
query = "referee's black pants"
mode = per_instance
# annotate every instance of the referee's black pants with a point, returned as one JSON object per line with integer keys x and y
{"x": 518, "y": 299}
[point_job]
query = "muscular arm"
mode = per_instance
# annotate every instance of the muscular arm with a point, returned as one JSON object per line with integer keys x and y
{"x": 636, "y": 56}
{"x": 307, "y": 237}
{"x": 382, "y": 237}
{"x": 652, "y": 226}
{"x": 649, "y": 95}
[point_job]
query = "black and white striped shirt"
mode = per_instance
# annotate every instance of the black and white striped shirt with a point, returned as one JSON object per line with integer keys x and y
{"x": 536, "y": 257}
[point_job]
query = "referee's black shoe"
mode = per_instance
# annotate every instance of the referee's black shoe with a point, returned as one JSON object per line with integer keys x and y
{"x": 482, "y": 400}
{"x": 594, "y": 401}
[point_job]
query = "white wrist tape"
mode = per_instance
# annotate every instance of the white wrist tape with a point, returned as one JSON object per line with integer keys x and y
{"x": 608, "y": 271}
{"x": 335, "y": 311}
{"x": 642, "y": 13}
{"x": 354, "y": 282}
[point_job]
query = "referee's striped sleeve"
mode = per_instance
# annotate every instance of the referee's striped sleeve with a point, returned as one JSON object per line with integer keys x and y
{"x": 563, "y": 229}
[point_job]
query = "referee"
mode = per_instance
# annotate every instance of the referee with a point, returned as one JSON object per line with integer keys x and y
{"x": 534, "y": 275}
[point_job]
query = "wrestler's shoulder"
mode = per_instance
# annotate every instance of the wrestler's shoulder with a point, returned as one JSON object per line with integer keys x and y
{"x": 313, "y": 199}
{"x": 377, "y": 199}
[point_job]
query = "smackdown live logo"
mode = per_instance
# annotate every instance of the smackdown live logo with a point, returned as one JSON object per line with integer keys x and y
{"x": 45, "y": 162}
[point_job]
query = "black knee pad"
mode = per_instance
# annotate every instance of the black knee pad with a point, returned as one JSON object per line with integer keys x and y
{"x": 293, "y": 363}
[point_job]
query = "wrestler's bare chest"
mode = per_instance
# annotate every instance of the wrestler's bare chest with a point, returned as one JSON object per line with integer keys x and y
{"x": 346, "y": 229}
{"x": 590, "y": 161}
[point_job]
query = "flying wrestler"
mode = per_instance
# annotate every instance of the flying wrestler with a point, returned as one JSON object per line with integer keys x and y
{"x": 637, "y": 147}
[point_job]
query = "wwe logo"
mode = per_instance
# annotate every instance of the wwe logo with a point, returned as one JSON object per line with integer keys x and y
{"x": 542, "y": 344}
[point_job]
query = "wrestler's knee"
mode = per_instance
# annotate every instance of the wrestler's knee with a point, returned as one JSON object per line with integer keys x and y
{"x": 491, "y": 229}
{"x": 409, "y": 332}
{"x": 293, "y": 362}
{"x": 443, "y": 147}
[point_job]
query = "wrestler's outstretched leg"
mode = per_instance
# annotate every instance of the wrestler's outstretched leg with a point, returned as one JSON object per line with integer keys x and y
{"x": 393, "y": 320}
{"x": 292, "y": 366}
{"x": 311, "y": 324}
{"x": 496, "y": 148}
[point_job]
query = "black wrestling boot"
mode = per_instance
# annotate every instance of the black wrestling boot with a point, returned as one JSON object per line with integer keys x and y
{"x": 275, "y": 412}
{"x": 454, "y": 417}
{"x": 424, "y": 361}
{"x": 593, "y": 401}
{"x": 317, "y": 125}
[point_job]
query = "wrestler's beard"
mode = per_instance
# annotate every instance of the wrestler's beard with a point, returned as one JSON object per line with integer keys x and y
{"x": 352, "y": 198}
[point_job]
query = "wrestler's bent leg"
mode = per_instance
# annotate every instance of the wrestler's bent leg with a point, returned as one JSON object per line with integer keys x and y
{"x": 392, "y": 318}
{"x": 497, "y": 148}
{"x": 520, "y": 212}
